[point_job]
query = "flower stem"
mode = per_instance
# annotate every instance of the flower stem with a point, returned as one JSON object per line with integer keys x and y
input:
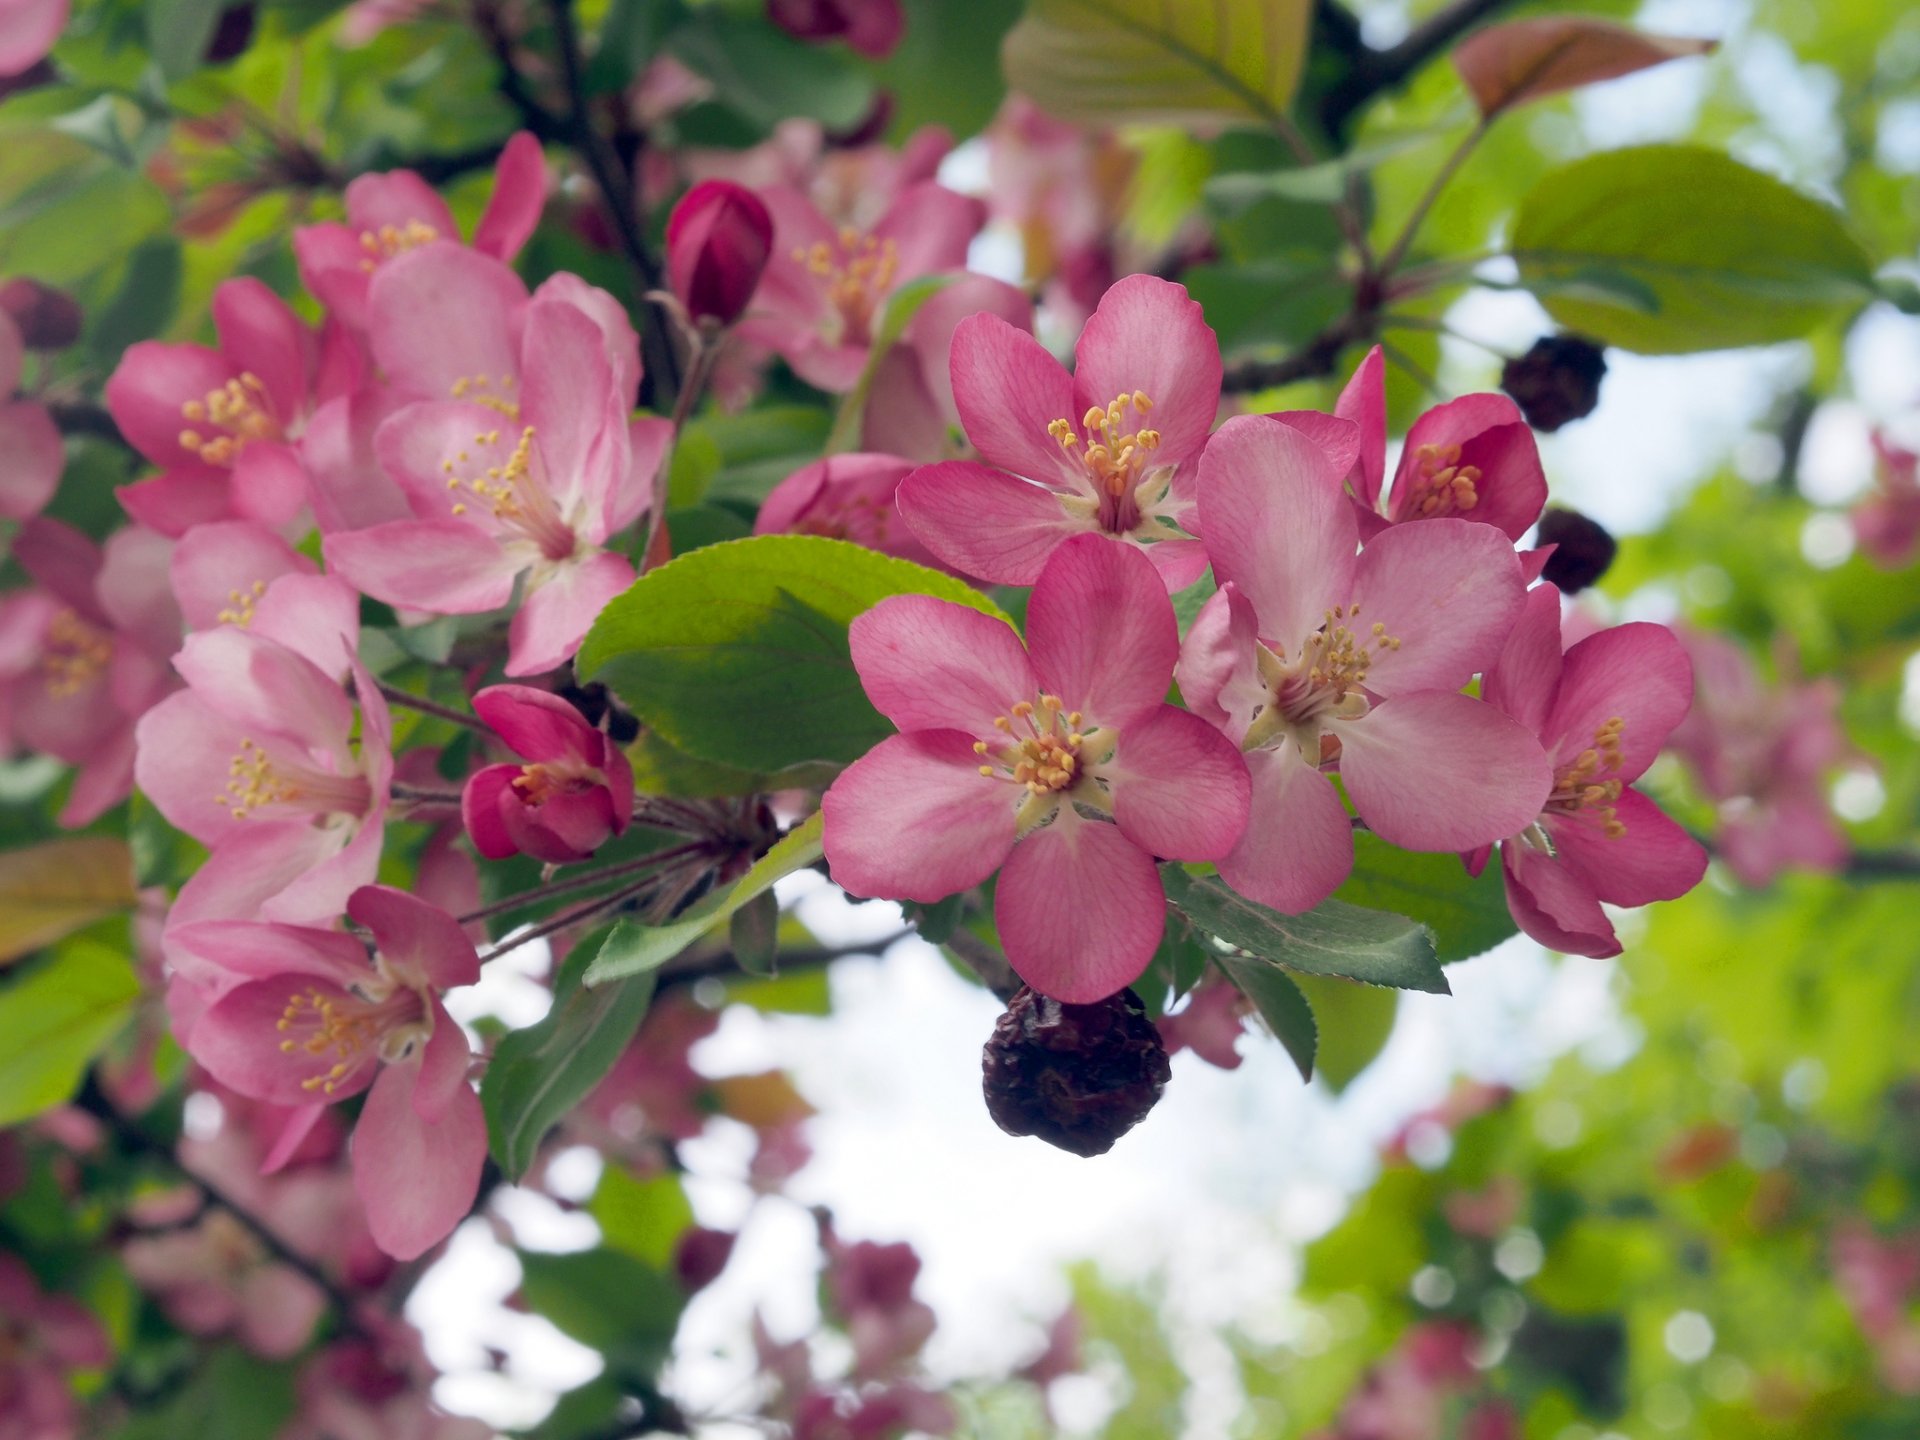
{"x": 409, "y": 701}
{"x": 586, "y": 881}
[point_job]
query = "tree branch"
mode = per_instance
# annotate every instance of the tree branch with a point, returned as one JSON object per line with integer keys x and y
{"x": 1374, "y": 71}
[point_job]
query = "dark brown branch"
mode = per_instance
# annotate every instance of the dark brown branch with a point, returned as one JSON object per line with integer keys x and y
{"x": 84, "y": 417}
{"x": 1319, "y": 356}
{"x": 1375, "y": 71}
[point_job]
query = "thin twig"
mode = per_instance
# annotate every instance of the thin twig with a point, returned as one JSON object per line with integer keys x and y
{"x": 1397, "y": 251}
{"x": 1375, "y": 71}
{"x": 572, "y": 883}
{"x": 407, "y": 700}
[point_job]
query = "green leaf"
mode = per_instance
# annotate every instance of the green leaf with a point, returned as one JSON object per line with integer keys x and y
{"x": 143, "y": 306}
{"x": 539, "y": 1073}
{"x": 1147, "y": 62}
{"x": 1321, "y": 184}
{"x": 946, "y": 69}
{"x": 1331, "y": 939}
{"x": 647, "y": 947}
{"x": 605, "y": 1298}
{"x": 1280, "y": 1004}
{"x": 1355, "y": 1022}
{"x": 178, "y": 32}
{"x": 754, "y": 934}
{"x": 1467, "y": 916}
{"x": 161, "y": 854}
{"x": 1730, "y": 256}
{"x": 758, "y": 448}
{"x": 737, "y": 653}
{"x": 937, "y": 922}
{"x": 56, "y": 888}
{"x": 56, "y": 1018}
{"x": 768, "y": 76}
{"x": 642, "y": 1218}
{"x": 659, "y": 769}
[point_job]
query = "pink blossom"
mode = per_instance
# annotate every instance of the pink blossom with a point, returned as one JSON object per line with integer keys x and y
{"x": 393, "y": 213}
{"x": 316, "y": 1020}
{"x": 653, "y": 1089}
{"x": 505, "y": 479}
{"x": 1210, "y": 1024}
{"x": 910, "y": 408}
{"x": 1108, "y": 450}
{"x": 852, "y": 185}
{"x": 718, "y": 240}
{"x": 575, "y": 793}
{"x": 1474, "y": 458}
{"x": 221, "y": 422}
{"x": 1602, "y": 711}
{"x": 1763, "y": 754}
{"x": 848, "y": 497}
{"x": 375, "y": 1385}
{"x": 871, "y": 27}
{"x": 826, "y": 286}
{"x": 31, "y": 455}
{"x": 1073, "y": 732}
{"x": 871, "y": 1286}
{"x": 85, "y": 655}
{"x": 28, "y": 29}
{"x": 215, "y": 1278}
{"x": 43, "y": 1339}
{"x": 1310, "y": 656}
{"x": 258, "y": 759}
{"x": 1887, "y": 522}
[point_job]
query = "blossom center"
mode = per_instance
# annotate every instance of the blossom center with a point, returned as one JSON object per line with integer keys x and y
{"x": 1326, "y": 682}
{"x": 1441, "y": 484}
{"x": 855, "y": 271}
{"x": 231, "y": 416}
{"x": 543, "y": 780}
{"x": 1117, "y": 459}
{"x": 382, "y": 1015}
{"x": 75, "y": 654}
{"x": 256, "y": 782}
{"x": 1591, "y": 783}
{"x": 391, "y": 240}
{"x": 240, "y": 605}
{"x": 1047, "y": 751}
{"x": 514, "y": 494}
{"x": 488, "y": 390}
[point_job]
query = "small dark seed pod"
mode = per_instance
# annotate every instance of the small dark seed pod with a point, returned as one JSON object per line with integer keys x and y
{"x": 1583, "y": 550}
{"x": 1077, "y": 1076}
{"x": 1557, "y": 381}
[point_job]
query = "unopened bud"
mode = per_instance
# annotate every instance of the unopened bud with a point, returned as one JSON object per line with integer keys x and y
{"x": 231, "y": 35}
{"x": 1583, "y": 549}
{"x": 700, "y": 1256}
{"x": 1557, "y": 381}
{"x": 1077, "y": 1076}
{"x": 718, "y": 240}
{"x": 47, "y": 319}
{"x": 871, "y": 27}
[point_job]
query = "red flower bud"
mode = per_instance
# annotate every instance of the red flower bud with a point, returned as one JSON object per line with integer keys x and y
{"x": 47, "y": 319}
{"x": 871, "y": 27}
{"x": 718, "y": 240}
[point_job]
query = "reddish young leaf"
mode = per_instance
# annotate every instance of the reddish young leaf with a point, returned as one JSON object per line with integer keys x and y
{"x": 1505, "y": 65}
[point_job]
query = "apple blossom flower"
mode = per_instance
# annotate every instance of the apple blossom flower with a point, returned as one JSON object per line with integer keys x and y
{"x": 1210, "y": 1024}
{"x": 1058, "y": 758}
{"x": 575, "y": 793}
{"x": 910, "y": 409}
{"x": 47, "y": 319}
{"x": 1602, "y": 711}
{"x": 316, "y": 1020}
{"x": 1473, "y": 458}
{"x": 718, "y": 240}
{"x": 222, "y": 422}
{"x": 1105, "y": 451}
{"x": 826, "y": 286}
{"x": 31, "y": 455}
{"x": 259, "y": 760}
{"x": 375, "y": 1385}
{"x": 871, "y": 1287}
{"x": 509, "y": 479}
{"x": 847, "y": 497}
{"x": 393, "y": 213}
{"x": 1763, "y": 753}
{"x": 1887, "y": 522}
{"x": 1310, "y": 656}
{"x": 43, "y": 1338}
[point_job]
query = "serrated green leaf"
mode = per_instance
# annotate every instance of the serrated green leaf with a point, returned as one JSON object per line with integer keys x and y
{"x": 754, "y": 934}
{"x": 1468, "y": 916}
{"x": 1729, "y": 255}
{"x": 56, "y": 1018}
{"x": 647, "y": 947}
{"x": 1281, "y": 1005}
{"x": 1331, "y": 939}
{"x": 1147, "y": 62}
{"x": 538, "y": 1074}
{"x": 737, "y": 653}
{"x": 659, "y": 769}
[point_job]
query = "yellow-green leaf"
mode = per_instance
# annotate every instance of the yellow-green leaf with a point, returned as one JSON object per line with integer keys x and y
{"x": 54, "y": 889}
{"x": 56, "y": 1018}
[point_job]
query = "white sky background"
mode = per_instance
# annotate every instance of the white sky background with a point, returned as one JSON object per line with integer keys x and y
{"x": 1233, "y": 1169}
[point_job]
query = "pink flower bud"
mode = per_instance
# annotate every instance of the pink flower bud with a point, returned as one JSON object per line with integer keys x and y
{"x": 718, "y": 240}
{"x": 871, "y": 27}
{"x": 48, "y": 319}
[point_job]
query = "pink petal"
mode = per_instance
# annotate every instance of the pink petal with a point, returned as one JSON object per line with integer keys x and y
{"x": 269, "y": 484}
{"x": 1008, "y": 389}
{"x": 250, "y": 950}
{"x": 412, "y": 933}
{"x": 349, "y": 487}
{"x": 537, "y": 724}
{"x": 1146, "y": 335}
{"x": 1436, "y": 771}
{"x": 444, "y": 567}
{"x": 983, "y": 522}
{"x": 260, "y": 684}
{"x": 1364, "y": 402}
{"x": 1277, "y": 525}
{"x": 561, "y": 829}
{"x": 443, "y": 1066}
{"x": 619, "y": 341}
{"x": 399, "y": 199}
{"x": 1522, "y": 682}
{"x": 1102, "y": 632}
{"x": 318, "y": 894}
{"x": 239, "y": 1041}
{"x": 214, "y": 567}
{"x": 930, "y": 227}
{"x": 1654, "y": 860}
{"x": 568, "y": 396}
{"x": 330, "y": 256}
{"x": 1449, "y": 591}
{"x": 293, "y": 1134}
{"x": 929, "y": 334}
{"x": 1179, "y": 562}
{"x": 901, "y": 416}
{"x": 480, "y": 801}
{"x": 262, "y": 336}
{"x": 241, "y": 877}
{"x": 929, "y": 664}
{"x": 1494, "y": 437}
{"x": 1553, "y": 906}
{"x": 1637, "y": 673}
{"x": 317, "y": 616}
{"x": 417, "y": 1180}
{"x": 134, "y": 589}
{"x": 648, "y": 440}
{"x": 31, "y": 458}
{"x": 182, "y": 765}
{"x": 1298, "y": 845}
{"x": 442, "y": 314}
{"x": 28, "y": 29}
{"x": 1080, "y": 909}
{"x": 1180, "y": 788}
{"x": 519, "y": 195}
{"x": 151, "y": 383}
{"x": 416, "y": 444}
{"x": 554, "y": 618}
{"x": 914, "y": 819}
{"x": 174, "y": 501}
{"x": 1341, "y": 439}
{"x": 13, "y": 354}
{"x": 277, "y": 1311}
{"x": 1219, "y": 677}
